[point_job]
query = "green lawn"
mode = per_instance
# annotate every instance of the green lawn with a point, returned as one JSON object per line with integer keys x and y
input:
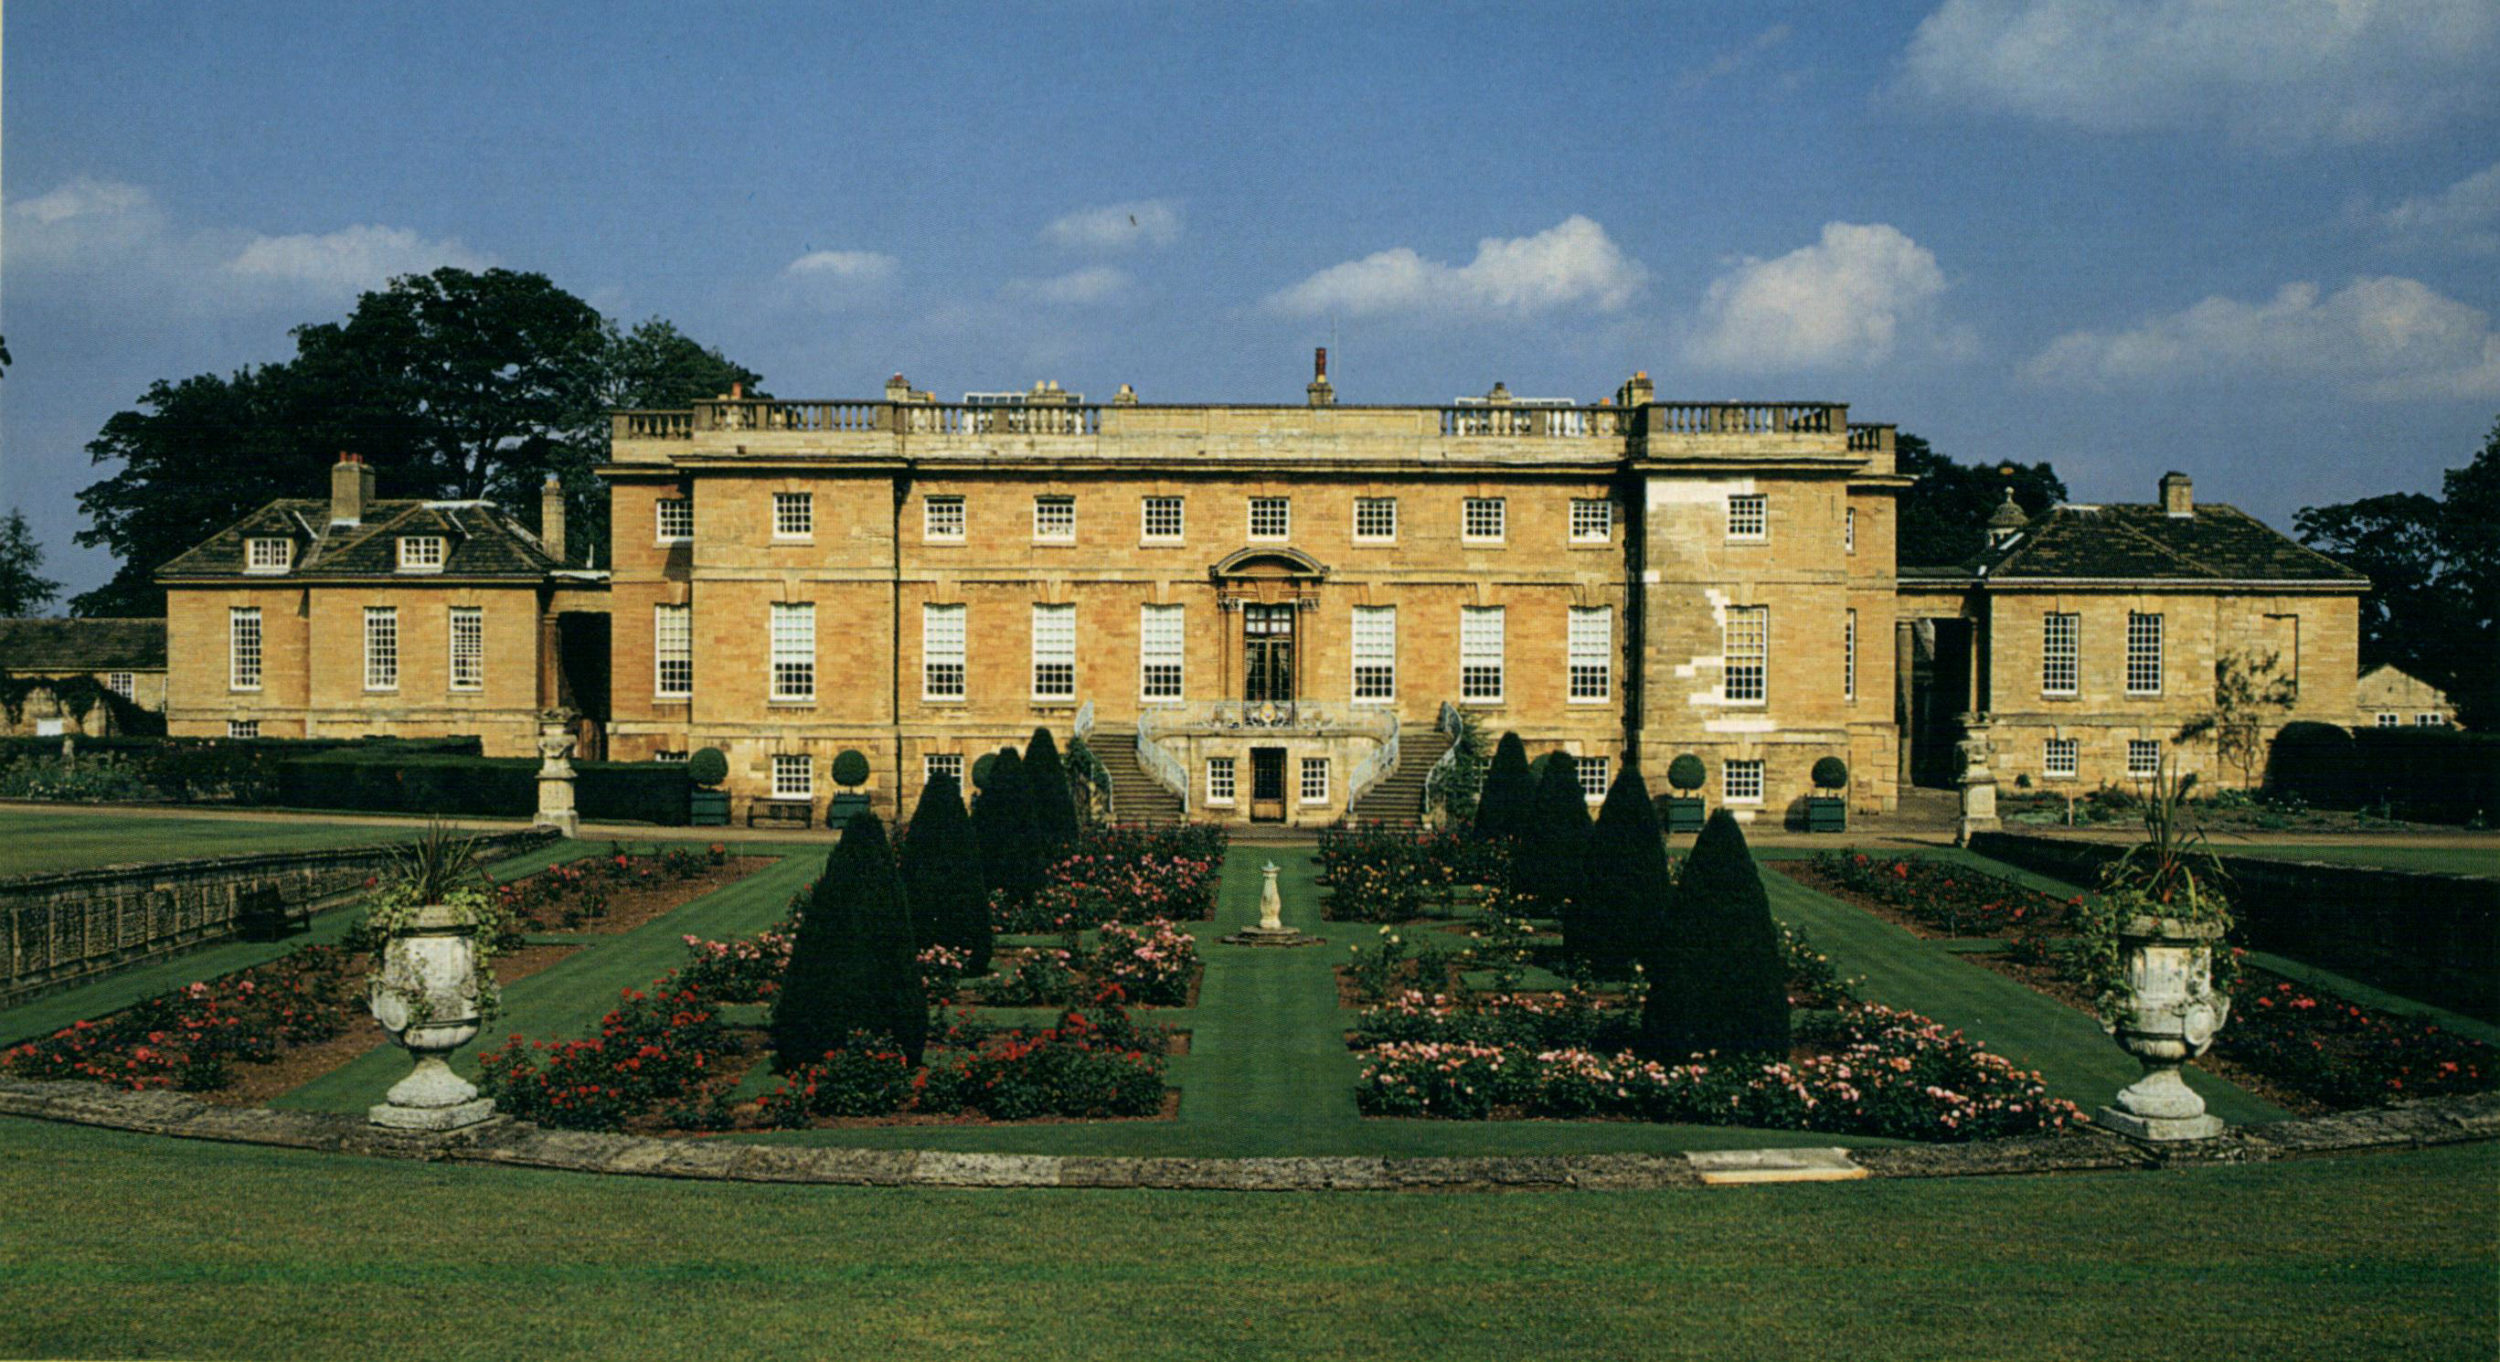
{"x": 2482, "y": 860}
{"x": 127, "y": 1246}
{"x": 36, "y": 841}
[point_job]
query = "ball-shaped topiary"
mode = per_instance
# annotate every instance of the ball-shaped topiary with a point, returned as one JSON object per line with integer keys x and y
{"x": 1686, "y": 773}
{"x": 708, "y": 766}
{"x": 1831, "y": 773}
{"x": 850, "y": 768}
{"x": 981, "y": 768}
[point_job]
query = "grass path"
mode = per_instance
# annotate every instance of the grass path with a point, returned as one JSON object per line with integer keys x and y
{"x": 36, "y": 841}
{"x": 126, "y": 1246}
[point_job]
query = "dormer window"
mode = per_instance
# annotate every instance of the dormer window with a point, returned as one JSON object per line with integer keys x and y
{"x": 268, "y": 555}
{"x": 421, "y": 553}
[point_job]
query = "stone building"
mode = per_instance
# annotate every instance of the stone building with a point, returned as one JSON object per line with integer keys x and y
{"x": 55, "y": 675}
{"x": 1250, "y": 612}
{"x": 2390, "y": 697}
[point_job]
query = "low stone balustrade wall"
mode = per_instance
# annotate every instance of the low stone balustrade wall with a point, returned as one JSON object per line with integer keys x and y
{"x": 2419, "y": 934}
{"x": 73, "y": 925}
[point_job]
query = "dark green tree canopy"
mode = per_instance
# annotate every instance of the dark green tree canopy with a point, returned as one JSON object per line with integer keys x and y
{"x": 1504, "y": 802}
{"x": 1716, "y": 978}
{"x": 1944, "y": 515}
{"x": 942, "y": 875}
{"x": 451, "y": 384}
{"x": 2434, "y": 570}
{"x": 24, "y": 589}
{"x": 851, "y": 968}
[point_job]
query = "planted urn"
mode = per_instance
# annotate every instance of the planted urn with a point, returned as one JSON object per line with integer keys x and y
{"x": 430, "y": 989}
{"x": 1683, "y": 809}
{"x": 2149, "y": 943}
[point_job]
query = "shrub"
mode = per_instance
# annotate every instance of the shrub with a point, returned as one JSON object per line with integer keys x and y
{"x": 1503, "y": 806}
{"x": 865, "y": 1077}
{"x": 1831, "y": 773}
{"x": 851, "y": 965}
{"x": 1687, "y": 774}
{"x": 1553, "y": 841}
{"x": 850, "y": 768}
{"x": 1046, "y": 787}
{"x": 1623, "y": 903}
{"x": 1716, "y": 980}
{"x": 654, "y": 1048}
{"x": 942, "y": 876}
{"x": 708, "y": 766}
{"x": 632, "y": 791}
{"x": 1002, "y": 822}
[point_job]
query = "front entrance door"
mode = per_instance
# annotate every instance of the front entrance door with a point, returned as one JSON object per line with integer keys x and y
{"x": 1267, "y": 657}
{"x": 1267, "y": 785}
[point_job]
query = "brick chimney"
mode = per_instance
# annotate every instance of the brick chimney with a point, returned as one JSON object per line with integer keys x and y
{"x": 551, "y": 517}
{"x": 1319, "y": 391}
{"x": 2178, "y": 494}
{"x": 351, "y": 489}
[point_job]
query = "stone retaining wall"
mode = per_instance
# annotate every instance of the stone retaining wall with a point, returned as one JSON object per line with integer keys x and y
{"x": 2451, "y": 1120}
{"x": 2422, "y": 934}
{"x": 73, "y": 925}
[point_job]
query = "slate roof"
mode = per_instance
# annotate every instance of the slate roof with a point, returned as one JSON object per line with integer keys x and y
{"x": 480, "y": 541}
{"x": 82, "y": 645}
{"x": 2216, "y": 543}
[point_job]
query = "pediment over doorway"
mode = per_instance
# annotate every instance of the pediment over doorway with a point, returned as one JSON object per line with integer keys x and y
{"x": 1271, "y": 562}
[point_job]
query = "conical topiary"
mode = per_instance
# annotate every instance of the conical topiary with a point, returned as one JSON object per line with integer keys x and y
{"x": 942, "y": 876}
{"x": 1546, "y": 867}
{"x": 1046, "y": 785}
{"x": 1716, "y": 978}
{"x": 1625, "y": 884}
{"x": 1002, "y": 822}
{"x": 851, "y": 968}
{"x": 1506, "y": 790}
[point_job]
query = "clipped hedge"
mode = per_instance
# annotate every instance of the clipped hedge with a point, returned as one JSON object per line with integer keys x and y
{"x": 631, "y": 791}
{"x": 405, "y": 782}
{"x": 2440, "y": 775}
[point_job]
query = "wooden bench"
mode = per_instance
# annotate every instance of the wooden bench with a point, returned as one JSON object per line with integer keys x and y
{"x": 799, "y": 811}
{"x": 263, "y": 914}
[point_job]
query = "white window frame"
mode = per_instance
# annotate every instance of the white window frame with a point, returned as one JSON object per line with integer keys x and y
{"x": 264, "y": 557}
{"x": 790, "y": 637}
{"x": 381, "y": 648}
{"x": 243, "y": 728}
{"x": 945, "y": 633}
{"x": 1312, "y": 786}
{"x": 1482, "y": 675}
{"x": 464, "y": 633}
{"x": 676, "y": 754}
{"x": 2391, "y": 721}
{"x": 1749, "y": 517}
{"x": 1377, "y": 506}
{"x": 1221, "y": 785}
{"x": 935, "y": 764}
{"x": 1054, "y": 518}
{"x": 2061, "y": 758}
{"x": 423, "y": 552}
{"x": 1849, "y": 529}
{"x": 123, "y": 684}
{"x": 1374, "y": 637}
{"x": 1484, "y": 520}
{"x": 1589, "y": 650}
{"x": 1849, "y": 656}
{"x": 2429, "y": 721}
{"x": 1281, "y": 515}
{"x": 1162, "y": 654}
{"x": 794, "y": 776}
{"x": 794, "y": 516}
{"x": 1592, "y": 790}
{"x": 1745, "y": 648}
{"x": 2144, "y": 653}
{"x": 672, "y": 520}
{"x": 943, "y": 519}
{"x": 1741, "y": 780}
{"x": 1178, "y": 511}
{"x": 2149, "y": 748}
{"x": 243, "y": 648}
{"x": 2061, "y": 654}
{"x": 1592, "y": 520}
{"x": 672, "y": 652}
{"x": 1054, "y": 652}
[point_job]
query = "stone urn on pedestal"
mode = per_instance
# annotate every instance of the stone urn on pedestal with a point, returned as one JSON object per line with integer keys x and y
{"x": 1979, "y": 781}
{"x": 2166, "y": 1016}
{"x": 428, "y": 996}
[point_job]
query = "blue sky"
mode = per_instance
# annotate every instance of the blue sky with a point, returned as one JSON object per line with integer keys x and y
{"x": 2254, "y": 239}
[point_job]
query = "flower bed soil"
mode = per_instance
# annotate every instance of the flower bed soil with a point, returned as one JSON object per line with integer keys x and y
{"x": 630, "y": 905}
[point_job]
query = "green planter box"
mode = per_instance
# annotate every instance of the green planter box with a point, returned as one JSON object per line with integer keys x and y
{"x": 1684, "y": 815}
{"x": 707, "y": 808}
{"x": 838, "y": 813}
{"x": 1827, "y": 815}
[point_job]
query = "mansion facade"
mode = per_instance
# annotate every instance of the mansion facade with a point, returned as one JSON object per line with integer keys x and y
{"x": 1265, "y": 612}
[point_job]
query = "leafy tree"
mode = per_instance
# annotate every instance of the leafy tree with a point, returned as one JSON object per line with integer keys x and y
{"x": 1623, "y": 905}
{"x": 1459, "y": 786}
{"x": 2250, "y": 698}
{"x": 1716, "y": 979}
{"x": 1046, "y": 784}
{"x": 1002, "y": 821}
{"x": 1548, "y": 864}
{"x": 23, "y": 588}
{"x": 452, "y": 384}
{"x": 2434, "y": 570}
{"x": 942, "y": 876}
{"x": 1501, "y": 808}
{"x": 1944, "y": 515}
{"x": 851, "y": 968}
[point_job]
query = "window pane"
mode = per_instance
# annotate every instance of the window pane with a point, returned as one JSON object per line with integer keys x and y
{"x": 1163, "y": 517}
{"x": 1747, "y": 647}
{"x": 1375, "y": 519}
{"x": 1054, "y": 652}
{"x": 2143, "y": 654}
{"x": 942, "y": 652}
{"x": 794, "y": 515}
{"x": 1744, "y": 782}
{"x": 2058, "y": 757}
{"x": 942, "y": 518}
{"x": 1219, "y": 780}
{"x": 381, "y": 648}
{"x": 1849, "y": 656}
{"x": 1593, "y": 777}
{"x": 794, "y": 651}
{"x": 1592, "y": 522}
{"x": 1483, "y": 518}
{"x": 937, "y": 764}
{"x": 1748, "y": 517}
{"x": 468, "y": 648}
{"x": 794, "y": 776}
{"x": 1270, "y": 517}
{"x": 672, "y": 651}
{"x": 2060, "y": 653}
{"x": 1054, "y": 518}
{"x": 1480, "y": 653}
{"x": 2143, "y": 758}
{"x": 1315, "y": 780}
{"x": 1592, "y": 649}
{"x": 1375, "y": 652}
{"x": 1159, "y": 644}
{"x": 676, "y": 520}
{"x": 243, "y": 648}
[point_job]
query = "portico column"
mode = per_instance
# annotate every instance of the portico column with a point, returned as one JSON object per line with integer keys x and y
{"x": 1904, "y": 668}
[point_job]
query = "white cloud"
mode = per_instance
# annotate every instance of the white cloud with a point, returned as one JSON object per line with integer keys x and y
{"x": 837, "y": 278}
{"x": 1571, "y": 264}
{"x": 1734, "y": 59}
{"x": 1118, "y": 226}
{"x": 2383, "y": 338}
{"x": 2465, "y": 216}
{"x": 84, "y": 221}
{"x": 2272, "y": 72}
{"x": 350, "y": 260}
{"x": 1077, "y": 288}
{"x": 1851, "y": 300}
